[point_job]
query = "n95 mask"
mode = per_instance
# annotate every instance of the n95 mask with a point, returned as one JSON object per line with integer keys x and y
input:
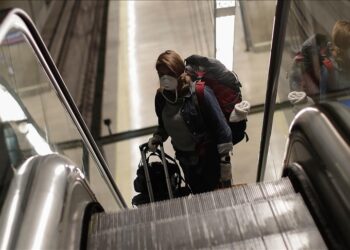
{"x": 168, "y": 82}
{"x": 168, "y": 85}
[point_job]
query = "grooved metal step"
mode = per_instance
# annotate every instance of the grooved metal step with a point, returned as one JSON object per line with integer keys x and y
{"x": 263, "y": 214}
{"x": 290, "y": 240}
{"x": 195, "y": 204}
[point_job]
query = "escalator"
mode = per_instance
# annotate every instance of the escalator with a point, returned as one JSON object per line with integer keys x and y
{"x": 58, "y": 197}
{"x": 260, "y": 216}
{"x": 307, "y": 209}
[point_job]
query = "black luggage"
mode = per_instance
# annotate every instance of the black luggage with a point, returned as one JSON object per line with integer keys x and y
{"x": 158, "y": 180}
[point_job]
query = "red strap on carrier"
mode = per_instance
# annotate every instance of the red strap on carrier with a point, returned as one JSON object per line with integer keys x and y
{"x": 226, "y": 96}
{"x": 199, "y": 88}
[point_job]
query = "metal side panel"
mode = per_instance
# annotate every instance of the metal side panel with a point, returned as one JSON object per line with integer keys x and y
{"x": 43, "y": 101}
{"x": 44, "y": 205}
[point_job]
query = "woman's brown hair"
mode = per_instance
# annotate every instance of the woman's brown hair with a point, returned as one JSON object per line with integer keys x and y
{"x": 171, "y": 60}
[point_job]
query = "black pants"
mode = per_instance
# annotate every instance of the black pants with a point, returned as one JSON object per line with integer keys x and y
{"x": 201, "y": 168}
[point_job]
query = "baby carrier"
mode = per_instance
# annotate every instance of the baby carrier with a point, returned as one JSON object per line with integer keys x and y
{"x": 225, "y": 85}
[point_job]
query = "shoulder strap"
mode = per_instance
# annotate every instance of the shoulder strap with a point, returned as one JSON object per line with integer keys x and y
{"x": 199, "y": 99}
{"x": 199, "y": 88}
{"x": 327, "y": 63}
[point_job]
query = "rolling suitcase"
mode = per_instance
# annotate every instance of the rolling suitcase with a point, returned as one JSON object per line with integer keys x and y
{"x": 157, "y": 181}
{"x": 143, "y": 149}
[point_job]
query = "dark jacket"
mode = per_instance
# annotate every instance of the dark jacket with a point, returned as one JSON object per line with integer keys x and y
{"x": 207, "y": 124}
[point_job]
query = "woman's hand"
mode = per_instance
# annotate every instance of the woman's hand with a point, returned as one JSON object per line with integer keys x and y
{"x": 225, "y": 171}
{"x": 154, "y": 142}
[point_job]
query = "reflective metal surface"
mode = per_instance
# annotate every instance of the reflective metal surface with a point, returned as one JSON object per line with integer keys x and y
{"x": 44, "y": 205}
{"x": 332, "y": 147}
{"x": 325, "y": 161}
{"x": 43, "y": 115}
{"x": 44, "y": 191}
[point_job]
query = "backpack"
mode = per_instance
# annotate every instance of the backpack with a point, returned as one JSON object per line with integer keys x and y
{"x": 312, "y": 64}
{"x": 225, "y": 85}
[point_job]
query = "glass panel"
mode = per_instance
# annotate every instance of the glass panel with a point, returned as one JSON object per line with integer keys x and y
{"x": 315, "y": 66}
{"x": 37, "y": 117}
{"x": 126, "y": 156}
{"x": 252, "y": 45}
{"x": 32, "y": 118}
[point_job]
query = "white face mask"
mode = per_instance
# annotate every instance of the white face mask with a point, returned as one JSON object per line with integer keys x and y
{"x": 168, "y": 82}
{"x": 168, "y": 86}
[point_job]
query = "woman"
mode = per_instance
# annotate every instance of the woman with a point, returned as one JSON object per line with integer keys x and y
{"x": 201, "y": 138}
{"x": 341, "y": 52}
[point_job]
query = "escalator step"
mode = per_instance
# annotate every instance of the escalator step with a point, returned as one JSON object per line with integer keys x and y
{"x": 195, "y": 204}
{"x": 212, "y": 228}
{"x": 308, "y": 238}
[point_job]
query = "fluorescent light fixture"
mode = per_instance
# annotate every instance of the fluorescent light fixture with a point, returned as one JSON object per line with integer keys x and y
{"x": 135, "y": 93}
{"x": 10, "y": 110}
{"x": 225, "y": 39}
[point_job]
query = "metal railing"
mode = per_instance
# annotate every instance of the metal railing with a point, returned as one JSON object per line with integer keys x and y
{"x": 18, "y": 19}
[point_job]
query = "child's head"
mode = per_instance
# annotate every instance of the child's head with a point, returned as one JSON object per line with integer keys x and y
{"x": 341, "y": 39}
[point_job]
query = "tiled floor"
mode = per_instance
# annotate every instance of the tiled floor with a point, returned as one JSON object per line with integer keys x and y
{"x": 139, "y": 31}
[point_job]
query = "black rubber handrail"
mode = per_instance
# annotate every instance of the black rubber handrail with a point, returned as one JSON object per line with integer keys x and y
{"x": 279, "y": 29}
{"x": 319, "y": 142}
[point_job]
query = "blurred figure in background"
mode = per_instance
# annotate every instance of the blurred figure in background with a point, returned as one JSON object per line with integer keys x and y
{"x": 311, "y": 67}
{"x": 341, "y": 54}
{"x": 321, "y": 67}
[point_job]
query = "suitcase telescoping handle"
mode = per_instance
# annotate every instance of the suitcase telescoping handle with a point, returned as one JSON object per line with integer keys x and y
{"x": 167, "y": 178}
{"x": 143, "y": 150}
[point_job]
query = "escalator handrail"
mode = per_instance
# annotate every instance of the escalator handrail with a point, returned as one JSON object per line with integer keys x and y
{"x": 326, "y": 127}
{"x": 339, "y": 115}
{"x": 11, "y": 19}
{"x": 319, "y": 143}
{"x": 278, "y": 37}
{"x": 53, "y": 191}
